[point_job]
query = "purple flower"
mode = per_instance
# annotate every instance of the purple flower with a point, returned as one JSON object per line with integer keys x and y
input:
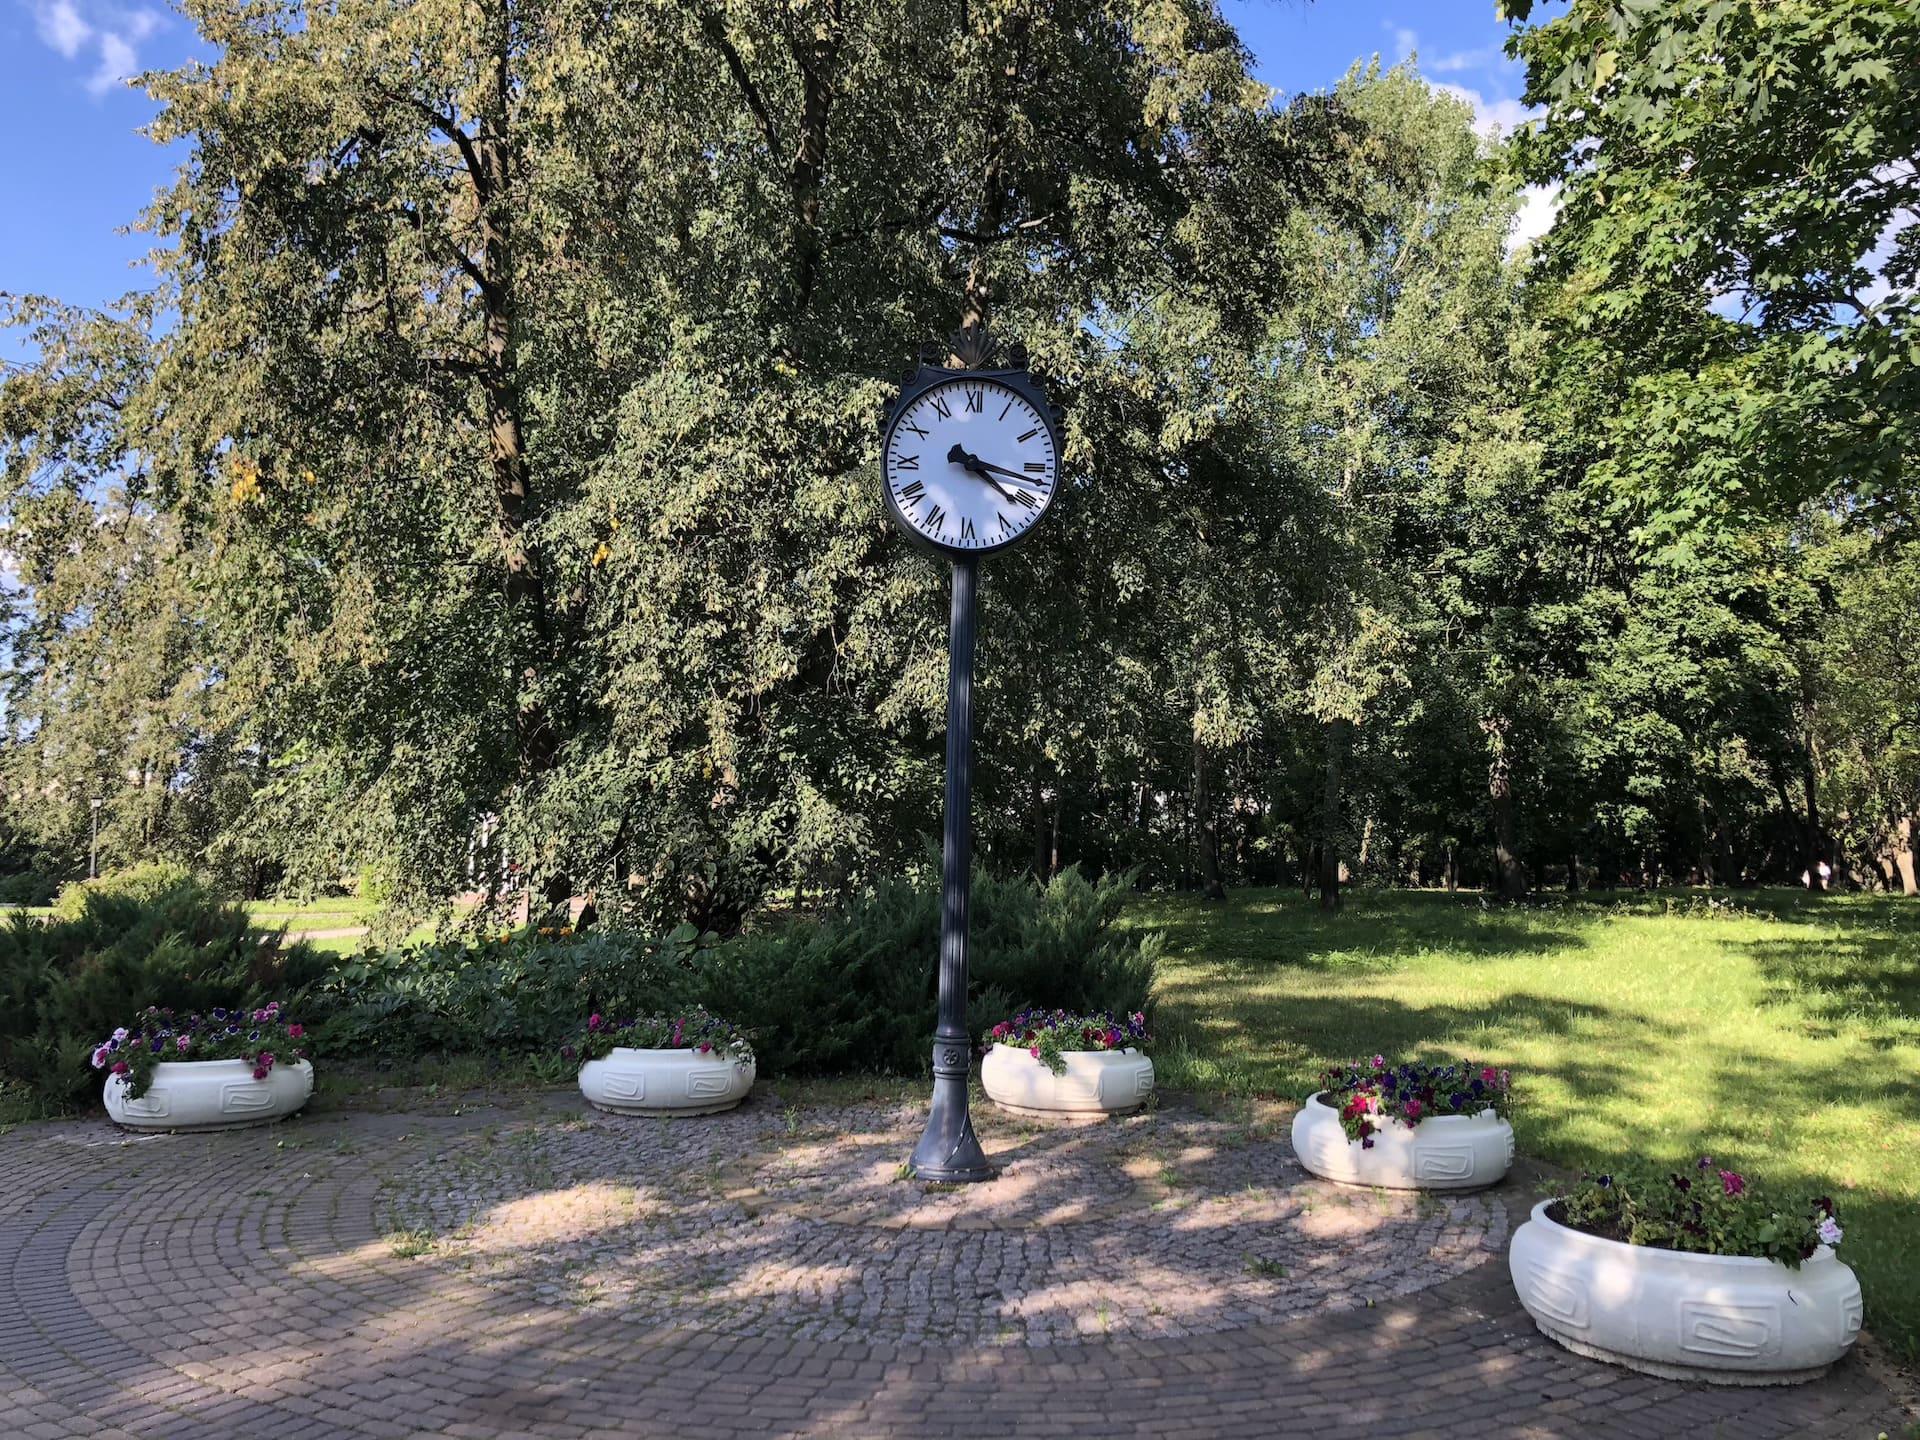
{"x": 100, "y": 1058}
{"x": 1830, "y": 1231}
{"x": 1732, "y": 1183}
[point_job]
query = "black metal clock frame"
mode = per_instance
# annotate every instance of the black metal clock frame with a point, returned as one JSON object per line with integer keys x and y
{"x": 948, "y": 1150}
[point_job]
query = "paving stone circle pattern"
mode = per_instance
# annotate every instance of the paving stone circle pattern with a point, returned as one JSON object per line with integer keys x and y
{"x": 537, "y": 1271}
{"x": 1147, "y": 1227}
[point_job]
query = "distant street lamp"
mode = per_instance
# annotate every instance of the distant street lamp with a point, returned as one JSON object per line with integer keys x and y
{"x": 93, "y": 845}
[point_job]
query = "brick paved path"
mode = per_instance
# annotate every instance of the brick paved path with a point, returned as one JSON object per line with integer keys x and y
{"x": 535, "y": 1272}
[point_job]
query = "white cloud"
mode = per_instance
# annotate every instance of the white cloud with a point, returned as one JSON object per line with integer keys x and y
{"x": 1488, "y": 58}
{"x": 1490, "y": 117}
{"x": 61, "y": 27}
{"x": 1539, "y": 208}
{"x": 71, "y": 28}
{"x": 118, "y": 60}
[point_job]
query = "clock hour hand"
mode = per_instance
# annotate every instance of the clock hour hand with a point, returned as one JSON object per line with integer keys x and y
{"x": 973, "y": 464}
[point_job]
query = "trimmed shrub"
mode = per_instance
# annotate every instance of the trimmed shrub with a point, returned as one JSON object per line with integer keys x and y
{"x": 164, "y": 941}
{"x": 28, "y": 887}
{"x": 859, "y": 989}
{"x": 155, "y": 880}
{"x": 506, "y": 996}
{"x": 856, "y": 990}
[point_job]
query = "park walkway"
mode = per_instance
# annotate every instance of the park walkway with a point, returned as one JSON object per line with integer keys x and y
{"x": 532, "y": 1271}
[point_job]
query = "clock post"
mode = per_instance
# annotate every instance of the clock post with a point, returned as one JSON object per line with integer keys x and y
{"x": 946, "y": 496}
{"x": 948, "y": 1149}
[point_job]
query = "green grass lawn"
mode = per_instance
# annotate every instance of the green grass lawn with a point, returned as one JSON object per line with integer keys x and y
{"x": 1781, "y": 1036}
{"x": 330, "y": 914}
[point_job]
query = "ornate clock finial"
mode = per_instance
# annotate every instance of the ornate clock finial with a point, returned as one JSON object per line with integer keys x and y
{"x": 971, "y": 348}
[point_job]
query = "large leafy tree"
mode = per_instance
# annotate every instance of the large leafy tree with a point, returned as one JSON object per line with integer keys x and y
{"x": 1762, "y": 159}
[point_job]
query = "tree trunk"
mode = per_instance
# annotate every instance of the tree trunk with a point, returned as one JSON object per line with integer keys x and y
{"x": 1338, "y": 734}
{"x": 1573, "y": 872}
{"x": 1206, "y": 826}
{"x": 1511, "y": 878}
{"x": 1037, "y": 819}
{"x": 1903, "y": 856}
{"x": 1816, "y": 842}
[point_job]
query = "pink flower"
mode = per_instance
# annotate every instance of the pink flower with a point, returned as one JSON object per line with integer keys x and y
{"x": 119, "y": 1067}
{"x": 259, "y": 1073}
{"x": 1732, "y": 1183}
{"x": 1035, "y": 1052}
{"x": 1379, "y": 1062}
{"x": 594, "y": 1022}
{"x": 704, "y": 1047}
{"x": 266, "y": 1060}
{"x": 296, "y": 1031}
{"x": 1489, "y": 1075}
{"x": 1414, "y": 1107}
{"x": 100, "y": 1058}
{"x": 182, "y": 1043}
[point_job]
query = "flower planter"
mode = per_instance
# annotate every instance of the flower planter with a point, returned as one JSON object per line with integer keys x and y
{"x": 1442, "y": 1152}
{"x": 210, "y": 1095}
{"x": 1096, "y": 1082}
{"x": 1729, "y": 1319}
{"x": 666, "y": 1082}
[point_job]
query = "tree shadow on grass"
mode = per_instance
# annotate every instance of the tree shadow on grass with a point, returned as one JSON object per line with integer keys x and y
{"x": 1854, "y": 977}
{"x": 1376, "y": 930}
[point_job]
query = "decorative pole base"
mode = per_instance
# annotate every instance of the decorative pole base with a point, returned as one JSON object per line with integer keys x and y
{"x": 948, "y": 1152}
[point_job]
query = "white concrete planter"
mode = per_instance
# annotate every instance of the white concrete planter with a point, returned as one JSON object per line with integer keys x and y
{"x": 1442, "y": 1152}
{"x": 1096, "y": 1082}
{"x": 666, "y": 1082}
{"x": 210, "y": 1095}
{"x": 1729, "y": 1319}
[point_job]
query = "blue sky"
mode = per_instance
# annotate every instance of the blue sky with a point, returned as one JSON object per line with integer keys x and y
{"x": 76, "y": 169}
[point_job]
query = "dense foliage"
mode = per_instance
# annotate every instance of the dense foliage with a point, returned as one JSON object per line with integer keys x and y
{"x": 1705, "y": 1209}
{"x": 1370, "y": 1094}
{"x": 483, "y": 494}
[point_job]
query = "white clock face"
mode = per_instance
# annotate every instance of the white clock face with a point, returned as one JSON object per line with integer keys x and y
{"x": 970, "y": 464}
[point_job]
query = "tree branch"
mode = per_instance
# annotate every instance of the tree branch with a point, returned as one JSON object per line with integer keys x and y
{"x": 714, "y": 28}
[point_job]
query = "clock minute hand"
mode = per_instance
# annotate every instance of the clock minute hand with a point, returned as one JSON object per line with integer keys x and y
{"x": 1012, "y": 474}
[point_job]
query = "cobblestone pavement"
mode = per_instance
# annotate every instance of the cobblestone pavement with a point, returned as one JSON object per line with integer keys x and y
{"x": 532, "y": 1271}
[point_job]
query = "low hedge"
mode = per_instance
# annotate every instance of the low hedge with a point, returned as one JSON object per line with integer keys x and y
{"x": 854, "y": 990}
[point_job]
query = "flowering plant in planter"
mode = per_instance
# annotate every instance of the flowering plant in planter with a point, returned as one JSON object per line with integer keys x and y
{"x": 1370, "y": 1093}
{"x": 1048, "y": 1034}
{"x": 693, "y": 1029}
{"x": 262, "y": 1037}
{"x": 1701, "y": 1208}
